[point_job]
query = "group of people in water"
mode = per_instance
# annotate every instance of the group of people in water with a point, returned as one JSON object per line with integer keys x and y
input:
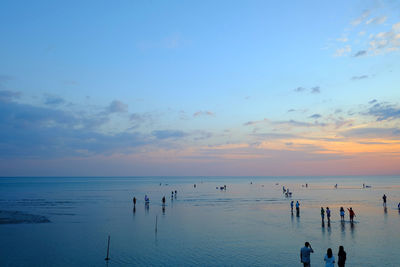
{"x": 328, "y": 258}
{"x": 341, "y": 212}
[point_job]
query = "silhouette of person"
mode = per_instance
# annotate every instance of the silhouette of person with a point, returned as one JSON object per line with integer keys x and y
{"x": 322, "y": 213}
{"x": 384, "y": 200}
{"x": 292, "y": 204}
{"x": 163, "y": 200}
{"x": 305, "y": 254}
{"x": 351, "y": 214}
{"x": 329, "y": 258}
{"x": 341, "y": 257}
{"x": 398, "y": 206}
{"x": 134, "y": 201}
{"x": 297, "y": 208}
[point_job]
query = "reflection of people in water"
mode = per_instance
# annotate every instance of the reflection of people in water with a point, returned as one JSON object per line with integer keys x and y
{"x": 351, "y": 214}
{"x": 163, "y": 200}
{"x": 134, "y": 201}
{"x": 322, "y": 213}
{"x": 342, "y": 214}
{"x": 384, "y": 200}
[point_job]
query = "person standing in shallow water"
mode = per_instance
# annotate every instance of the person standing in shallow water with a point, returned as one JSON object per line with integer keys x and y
{"x": 297, "y": 206}
{"x": 351, "y": 214}
{"x": 305, "y": 254}
{"x": 384, "y": 200}
{"x": 341, "y": 257}
{"x": 329, "y": 258}
{"x": 328, "y": 214}
{"x": 342, "y": 214}
{"x": 322, "y": 214}
{"x": 291, "y": 206}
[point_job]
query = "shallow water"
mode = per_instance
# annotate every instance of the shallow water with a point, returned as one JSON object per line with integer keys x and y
{"x": 246, "y": 225}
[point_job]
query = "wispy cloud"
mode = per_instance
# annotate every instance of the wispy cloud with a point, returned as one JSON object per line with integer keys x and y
{"x": 203, "y": 113}
{"x": 54, "y": 100}
{"x": 360, "y": 53}
{"x": 315, "y": 90}
{"x": 385, "y": 42}
{"x": 7, "y": 95}
{"x": 360, "y": 77}
{"x": 344, "y": 51}
{"x": 383, "y": 111}
{"x": 376, "y": 20}
{"x": 315, "y": 116}
{"x": 361, "y": 18}
{"x": 169, "y": 134}
{"x": 117, "y": 106}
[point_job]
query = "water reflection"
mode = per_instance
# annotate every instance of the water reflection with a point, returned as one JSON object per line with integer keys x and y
{"x": 352, "y": 229}
{"x": 147, "y": 208}
{"x": 163, "y": 209}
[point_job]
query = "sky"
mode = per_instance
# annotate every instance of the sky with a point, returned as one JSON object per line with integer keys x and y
{"x": 149, "y": 88}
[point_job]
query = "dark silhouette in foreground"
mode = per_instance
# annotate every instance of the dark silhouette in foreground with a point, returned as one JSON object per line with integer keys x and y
{"x": 305, "y": 254}
{"x": 341, "y": 257}
{"x": 384, "y": 200}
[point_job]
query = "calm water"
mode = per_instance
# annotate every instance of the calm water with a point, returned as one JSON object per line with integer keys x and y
{"x": 246, "y": 225}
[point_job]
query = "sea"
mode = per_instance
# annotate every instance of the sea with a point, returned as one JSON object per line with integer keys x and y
{"x": 66, "y": 221}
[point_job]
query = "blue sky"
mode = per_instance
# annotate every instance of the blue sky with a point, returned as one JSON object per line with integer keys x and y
{"x": 199, "y": 88}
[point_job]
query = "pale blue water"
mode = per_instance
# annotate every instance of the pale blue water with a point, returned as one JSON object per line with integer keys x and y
{"x": 246, "y": 225}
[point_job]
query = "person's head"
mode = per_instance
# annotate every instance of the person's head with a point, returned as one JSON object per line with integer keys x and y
{"x": 341, "y": 249}
{"x": 341, "y": 208}
{"x": 351, "y": 208}
{"x": 327, "y": 208}
{"x": 329, "y": 253}
{"x": 307, "y": 244}
{"x": 322, "y": 208}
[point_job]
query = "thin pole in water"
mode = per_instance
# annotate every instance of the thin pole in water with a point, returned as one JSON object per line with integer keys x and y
{"x": 156, "y": 223}
{"x": 108, "y": 249}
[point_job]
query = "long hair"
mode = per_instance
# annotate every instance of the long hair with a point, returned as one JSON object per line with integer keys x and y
{"x": 341, "y": 250}
{"x": 329, "y": 253}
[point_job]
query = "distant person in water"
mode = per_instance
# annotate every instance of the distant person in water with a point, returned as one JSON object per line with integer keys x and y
{"x": 134, "y": 201}
{"x": 292, "y": 204}
{"x": 163, "y": 200}
{"x": 283, "y": 189}
{"x": 341, "y": 214}
{"x": 351, "y": 214}
{"x": 297, "y": 207}
{"x": 322, "y": 214}
{"x": 341, "y": 257}
{"x": 146, "y": 199}
{"x": 384, "y": 200}
{"x": 336, "y": 186}
{"x": 305, "y": 254}
{"x": 398, "y": 206}
{"x": 329, "y": 258}
{"x": 306, "y": 185}
{"x": 363, "y": 185}
{"x": 328, "y": 214}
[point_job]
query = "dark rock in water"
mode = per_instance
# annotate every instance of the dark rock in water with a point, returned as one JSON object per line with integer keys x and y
{"x": 14, "y": 217}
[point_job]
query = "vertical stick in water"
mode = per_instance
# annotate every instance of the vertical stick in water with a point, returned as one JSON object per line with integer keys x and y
{"x": 108, "y": 249}
{"x": 156, "y": 223}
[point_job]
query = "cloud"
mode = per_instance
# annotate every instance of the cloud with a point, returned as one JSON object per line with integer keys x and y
{"x": 376, "y": 20}
{"x": 167, "y": 134}
{"x": 249, "y": 123}
{"x": 361, "y": 77}
{"x": 291, "y": 110}
{"x": 315, "y": 90}
{"x": 6, "y": 95}
{"x": 383, "y": 111}
{"x": 361, "y": 18}
{"x": 342, "y": 39}
{"x": 315, "y": 116}
{"x": 385, "y": 42}
{"x": 299, "y": 89}
{"x": 370, "y": 132}
{"x": 117, "y": 106}
{"x": 54, "y": 100}
{"x": 203, "y": 113}
{"x": 372, "y": 101}
{"x": 344, "y": 51}
{"x": 360, "y": 53}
